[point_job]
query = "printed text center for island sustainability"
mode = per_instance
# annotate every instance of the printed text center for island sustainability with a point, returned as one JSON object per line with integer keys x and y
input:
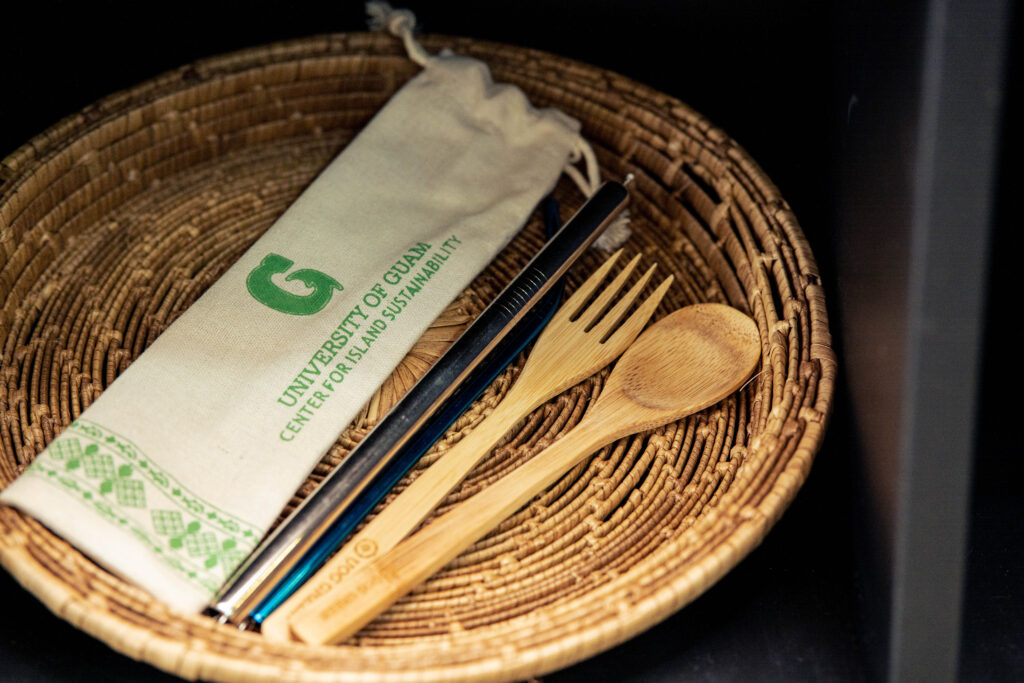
{"x": 356, "y": 334}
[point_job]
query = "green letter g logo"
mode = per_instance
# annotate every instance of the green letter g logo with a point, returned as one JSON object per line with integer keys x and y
{"x": 266, "y": 292}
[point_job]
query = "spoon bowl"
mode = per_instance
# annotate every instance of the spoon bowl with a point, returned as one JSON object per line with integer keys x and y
{"x": 684, "y": 363}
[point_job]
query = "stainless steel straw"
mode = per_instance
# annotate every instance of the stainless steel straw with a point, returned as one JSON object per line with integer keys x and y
{"x": 287, "y": 547}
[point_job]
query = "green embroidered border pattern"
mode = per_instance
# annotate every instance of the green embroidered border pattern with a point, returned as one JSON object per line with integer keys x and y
{"x": 111, "y": 475}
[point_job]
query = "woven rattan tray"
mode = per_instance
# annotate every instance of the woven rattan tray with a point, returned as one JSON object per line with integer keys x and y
{"x": 116, "y": 219}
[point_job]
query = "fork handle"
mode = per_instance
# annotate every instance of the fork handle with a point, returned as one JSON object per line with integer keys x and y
{"x": 401, "y": 516}
{"x": 376, "y": 585}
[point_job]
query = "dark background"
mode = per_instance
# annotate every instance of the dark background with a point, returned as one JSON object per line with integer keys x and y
{"x": 798, "y": 84}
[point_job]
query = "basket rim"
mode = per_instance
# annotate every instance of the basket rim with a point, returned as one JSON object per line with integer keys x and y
{"x": 190, "y": 659}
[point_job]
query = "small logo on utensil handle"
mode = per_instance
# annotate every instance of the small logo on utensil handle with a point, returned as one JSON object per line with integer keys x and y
{"x": 269, "y": 294}
{"x": 366, "y": 548}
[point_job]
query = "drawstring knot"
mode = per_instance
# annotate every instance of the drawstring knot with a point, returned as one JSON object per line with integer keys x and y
{"x": 399, "y": 23}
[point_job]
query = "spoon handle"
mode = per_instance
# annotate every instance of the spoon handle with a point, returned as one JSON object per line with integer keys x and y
{"x": 399, "y": 519}
{"x": 375, "y": 586}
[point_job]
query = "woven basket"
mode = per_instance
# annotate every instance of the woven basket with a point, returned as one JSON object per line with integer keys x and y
{"x": 113, "y": 221}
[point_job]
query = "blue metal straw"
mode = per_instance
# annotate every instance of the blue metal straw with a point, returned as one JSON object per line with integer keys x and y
{"x": 525, "y": 331}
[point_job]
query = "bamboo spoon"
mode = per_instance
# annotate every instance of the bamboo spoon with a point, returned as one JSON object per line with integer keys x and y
{"x": 575, "y": 344}
{"x": 686, "y": 362}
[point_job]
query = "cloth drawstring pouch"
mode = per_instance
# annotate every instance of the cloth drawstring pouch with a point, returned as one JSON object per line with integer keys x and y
{"x": 176, "y": 471}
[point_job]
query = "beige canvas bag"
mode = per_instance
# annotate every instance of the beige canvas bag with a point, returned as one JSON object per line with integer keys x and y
{"x": 177, "y": 470}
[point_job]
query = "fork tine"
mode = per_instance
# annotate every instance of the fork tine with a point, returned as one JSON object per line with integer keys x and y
{"x": 628, "y": 331}
{"x": 575, "y": 303}
{"x": 596, "y": 309}
{"x": 614, "y": 316}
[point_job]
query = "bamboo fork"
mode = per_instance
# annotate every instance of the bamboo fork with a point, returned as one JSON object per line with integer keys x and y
{"x": 581, "y": 339}
{"x": 685, "y": 362}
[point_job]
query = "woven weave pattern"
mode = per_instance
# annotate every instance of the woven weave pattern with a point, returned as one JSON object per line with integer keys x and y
{"x": 118, "y": 218}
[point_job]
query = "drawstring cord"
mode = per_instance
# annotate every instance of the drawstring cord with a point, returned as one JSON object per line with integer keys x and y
{"x": 399, "y": 23}
{"x": 616, "y": 234}
{"x": 588, "y": 184}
